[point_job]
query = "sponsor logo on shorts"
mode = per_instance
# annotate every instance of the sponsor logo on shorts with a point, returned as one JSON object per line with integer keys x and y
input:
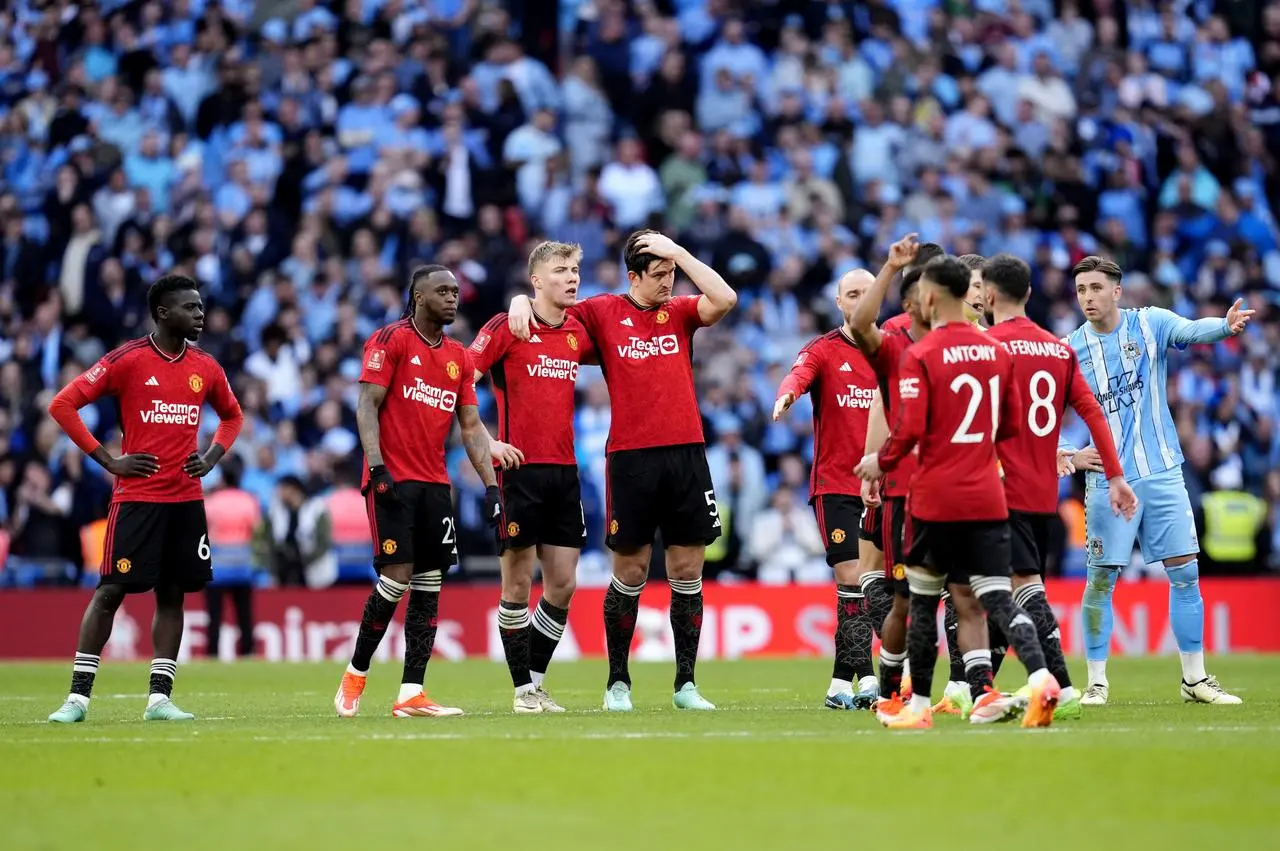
{"x": 837, "y": 536}
{"x": 382, "y": 487}
{"x": 572, "y": 341}
{"x": 513, "y": 529}
{"x": 123, "y": 565}
{"x": 389, "y": 547}
{"x": 899, "y": 571}
{"x": 452, "y": 368}
{"x": 613, "y": 527}
{"x": 1095, "y": 547}
{"x": 195, "y": 382}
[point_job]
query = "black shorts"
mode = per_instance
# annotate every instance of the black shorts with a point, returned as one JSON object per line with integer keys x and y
{"x": 869, "y": 528}
{"x": 838, "y": 515}
{"x": 667, "y": 488}
{"x": 892, "y": 519}
{"x": 156, "y": 543}
{"x": 960, "y": 549}
{"x": 1030, "y": 542}
{"x": 418, "y": 530}
{"x": 542, "y": 504}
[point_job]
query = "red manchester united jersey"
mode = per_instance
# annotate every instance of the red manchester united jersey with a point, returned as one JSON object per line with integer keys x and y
{"x": 958, "y": 400}
{"x": 426, "y": 384}
{"x": 901, "y": 322}
{"x": 534, "y": 384}
{"x": 646, "y": 354}
{"x": 886, "y": 362}
{"x": 1048, "y": 375}
{"x": 841, "y": 381}
{"x": 160, "y": 398}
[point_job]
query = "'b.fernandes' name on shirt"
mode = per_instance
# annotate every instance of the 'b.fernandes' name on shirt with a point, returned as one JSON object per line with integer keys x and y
{"x": 171, "y": 413}
{"x": 549, "y": 367}
{"x": 639, "y": 348}
{"x": 432, "y": 397}
{"x": 857, "y": 397}
{"x": 1037, "y": 348}
{"x": 968, "y": 354}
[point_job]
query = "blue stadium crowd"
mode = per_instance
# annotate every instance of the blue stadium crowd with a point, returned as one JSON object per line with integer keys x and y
{"x": 298, "y": 158}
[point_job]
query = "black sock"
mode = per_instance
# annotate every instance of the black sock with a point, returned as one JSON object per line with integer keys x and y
{"x": 621, "y": 603}
{"x": 879, "y": 600}
{"x": 514, "y": 627}
{"x": 378, "y": 611}
{"x": 922, "y": 642}
{"x": 891, "y": 672}
{"x": 853, "y": 635}
{"x": 163, "y": 672}
{"x": 999, "y": 646}
{"x": 1033, "y": 601}
{"x": 977, "y": 672}
{"x": 421, "y": 618}
{"x": 686, "y": 625}
{"x": 83, "y": 670}
{"x": 548, "y": 628}
{"x": 1012, "y": 621}
{"x": 951, "y": 624}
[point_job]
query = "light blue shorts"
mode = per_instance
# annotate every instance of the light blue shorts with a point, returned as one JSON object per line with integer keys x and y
{"x": 1163, "y": 524}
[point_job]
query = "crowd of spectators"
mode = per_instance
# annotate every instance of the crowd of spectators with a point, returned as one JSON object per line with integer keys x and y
{"x": 298, "y": 158}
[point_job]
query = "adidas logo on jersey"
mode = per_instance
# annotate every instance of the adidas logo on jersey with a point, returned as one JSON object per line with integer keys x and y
{"x": 151, "y": 382}
{"x": 535, "y": 339}
{"x": 628, "y": 322}
{"x": 415, "y": 360}
{"x": 844, "y": 367}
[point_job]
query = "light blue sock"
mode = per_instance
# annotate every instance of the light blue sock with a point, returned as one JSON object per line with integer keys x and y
{"x": 1186, "y": 607}
{"x": 1097, "y": 612}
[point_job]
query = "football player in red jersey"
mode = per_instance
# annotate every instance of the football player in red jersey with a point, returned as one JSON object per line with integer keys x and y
{"x": 415, "y": 381}
{"x": 957, "y": 400}
{"x": 657, "y": 477}
{"x": 842, "y": 383}
{"x": 534, "y": 383}
{"x": 1049, "y": 377}
{"x": 157, "y": 536}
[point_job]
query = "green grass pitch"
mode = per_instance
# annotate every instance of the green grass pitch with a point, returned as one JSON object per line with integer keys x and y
{"x": 269, "y": 766}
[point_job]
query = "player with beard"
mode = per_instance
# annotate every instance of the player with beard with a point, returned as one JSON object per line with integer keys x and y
{"x": 415, "y": 381}
{"x": 542, "y": 522}
{"x": 157, "y": 535}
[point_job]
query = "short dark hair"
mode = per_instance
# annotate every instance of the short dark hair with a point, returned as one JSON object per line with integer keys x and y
{"x": 636, "y": 260}
{"x": 910, "y": 278}
{"x": 1094, "y": 263}
{"x": 419, "y": 274}
{"x": 973, "y": 261}
{"x": 950, "y": 274}
{"x": 164, "y": 285}
{"x": 1009, "y": 275}
{"x": 926, "y": 252}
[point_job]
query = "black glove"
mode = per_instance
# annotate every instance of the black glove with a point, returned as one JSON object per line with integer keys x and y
{"x": 493, "y": 505}
{"x": 383, "y": 486}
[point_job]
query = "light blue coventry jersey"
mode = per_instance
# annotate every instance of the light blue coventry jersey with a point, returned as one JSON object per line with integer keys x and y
{"x": 1127, "y": 371}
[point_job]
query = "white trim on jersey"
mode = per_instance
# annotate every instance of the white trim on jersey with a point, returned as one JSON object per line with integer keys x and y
{"x": 1098, "y": 360}
{"x": 1139, "y": 412}
{"x": 1153, "y": 352}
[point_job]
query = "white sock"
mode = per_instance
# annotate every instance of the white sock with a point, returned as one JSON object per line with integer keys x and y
{"x": 839, "y": 687}
{"x": 1039, "y": 677}
{"x": 920, "y": 704}
{"x": 906, "y": 667}
{"x": 1098, "y": 672}
{"x": 537, "y": 678}
{"x": 1193, "y": 667}
{"x": 352, "y": 669}
{"x": 80, "y": 699}
{"x": 1068, "y": 693}
{"x": 523, "y": 690}
{"x": 408, "y": 690}
{"x": 868, "y": 682}
{"x": 153, "y": 699}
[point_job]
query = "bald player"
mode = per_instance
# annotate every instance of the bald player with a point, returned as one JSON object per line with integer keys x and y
{"x": 841, "y": 383}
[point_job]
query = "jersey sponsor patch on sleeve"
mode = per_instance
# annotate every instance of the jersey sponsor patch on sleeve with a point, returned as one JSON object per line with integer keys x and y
{"x": 482, "y": 342}
{"x": 95, "y": 373}
{"x": 801, "y": 358}
{"x": 909, "y": 388}
{"x": 376, "y": 358}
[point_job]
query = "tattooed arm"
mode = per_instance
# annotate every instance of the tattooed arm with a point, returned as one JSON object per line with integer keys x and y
{"x": 475, "y": 437}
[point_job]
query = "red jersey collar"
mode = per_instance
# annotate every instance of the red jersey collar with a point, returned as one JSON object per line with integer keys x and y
{"x": 151, "y": 338}
{"x": 423, "y": 337}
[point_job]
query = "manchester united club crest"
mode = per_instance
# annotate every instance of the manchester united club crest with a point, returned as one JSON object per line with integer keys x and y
{"x": 195, "y": 382}
{"x": 389, "y": 547}
{"x": 452, "y": 368}
{"x": 613, "y": 527}
{"x": 899, "y": 571}
{"x": 382, "y": 487}
{"x": 662, "y": 317}
{"x": 513, "y": 529}
{"x": 837, "y": 536}
{"x": 123, "y": 565}
{"x": 572, "y": 341}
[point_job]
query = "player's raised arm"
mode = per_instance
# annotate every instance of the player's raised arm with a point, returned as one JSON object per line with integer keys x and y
{"x": 718, "y": 298}
{"x": 912, "y": 416}
{"x": 65, "y": 410}
{"x": 863, "y": 322}
{"x": 797, "y": 382}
